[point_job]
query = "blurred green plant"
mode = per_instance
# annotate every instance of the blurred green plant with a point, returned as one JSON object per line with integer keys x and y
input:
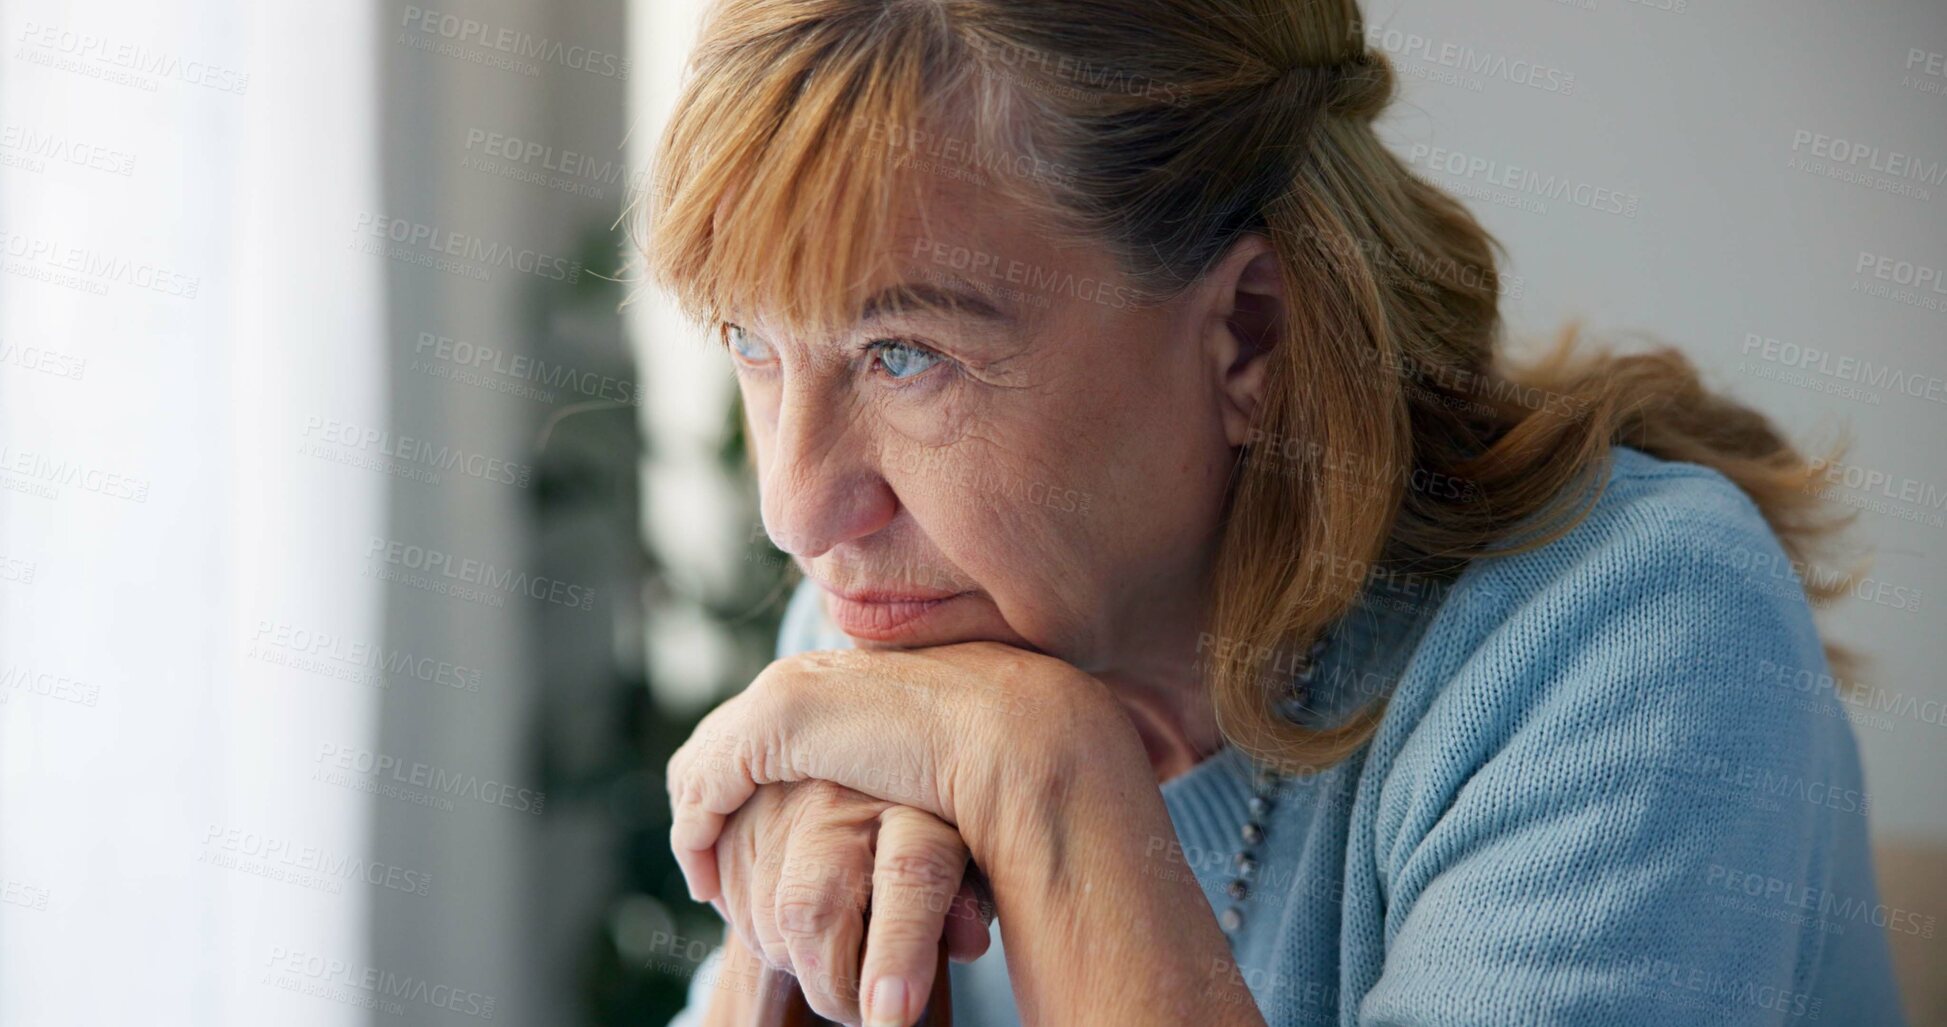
{"x": 602, "y": 739}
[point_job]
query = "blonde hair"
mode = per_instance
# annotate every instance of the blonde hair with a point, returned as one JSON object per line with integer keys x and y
{"x": 1164, "y": 129}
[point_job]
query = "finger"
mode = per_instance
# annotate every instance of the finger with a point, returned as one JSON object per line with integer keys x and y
{"x": 761, "y": 895}
{"x": 695, "y": 828}
{"x": 820, "y": 914}
{"x": 967, "y": 936}
{"x": 972, "y": 916}
{"x": 737, "y": 867}
{"x": 699, "y": 868}
{"x": 917, "y": 869}
{"x": 710, "y": 755}
{"x": 748, "y": 857}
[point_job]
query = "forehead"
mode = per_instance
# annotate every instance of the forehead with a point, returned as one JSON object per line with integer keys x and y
{"x": 956, "y": 248}
{"x": 959, "y": 236}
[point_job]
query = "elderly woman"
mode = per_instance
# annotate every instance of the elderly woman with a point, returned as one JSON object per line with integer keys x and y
{"x": 1191, "y": 589}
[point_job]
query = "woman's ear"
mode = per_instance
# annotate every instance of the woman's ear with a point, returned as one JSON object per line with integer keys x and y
{"x": 1245, "y": 312}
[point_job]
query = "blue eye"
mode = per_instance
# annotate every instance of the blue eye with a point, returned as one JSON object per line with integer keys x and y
{"x": 900, "y": 360}
{"x": 743, "y": 343}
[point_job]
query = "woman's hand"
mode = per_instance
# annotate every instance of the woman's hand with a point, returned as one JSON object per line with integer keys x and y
{"x": 983, "y": 736}
{"x": 1043, "y": 775}
{"x": 799, "y": 864}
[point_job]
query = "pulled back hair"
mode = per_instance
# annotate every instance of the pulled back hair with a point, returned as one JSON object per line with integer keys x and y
{"x": 1164, "y": 130}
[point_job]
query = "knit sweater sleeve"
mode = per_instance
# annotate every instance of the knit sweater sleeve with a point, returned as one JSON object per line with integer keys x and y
{"x": 1608, "y": 811}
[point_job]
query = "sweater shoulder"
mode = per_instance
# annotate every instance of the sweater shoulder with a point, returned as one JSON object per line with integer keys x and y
{"x": 1660, "y": 514}
{"x": 1604, "y": 740}
{"x": 1671, "y": 614}
{"x": 1680, "y": 533}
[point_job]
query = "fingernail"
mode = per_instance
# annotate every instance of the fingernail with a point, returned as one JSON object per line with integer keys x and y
{"x": 888, "y": 1003}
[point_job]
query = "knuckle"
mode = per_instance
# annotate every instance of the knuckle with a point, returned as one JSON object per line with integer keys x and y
{"x": 927, "y": 869}
{"x": 770, "y": 947}
{"x": 777, "y": 682}
{"x": 768, "y": 943}
{"x": 775, "y": 670}
{"x": 806, "y": 913}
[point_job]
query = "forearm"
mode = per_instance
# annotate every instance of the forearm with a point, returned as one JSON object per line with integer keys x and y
{"x": 1098, "y": 929}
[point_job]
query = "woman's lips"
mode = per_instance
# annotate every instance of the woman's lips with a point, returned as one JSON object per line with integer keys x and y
{"x": 881, "y": 616}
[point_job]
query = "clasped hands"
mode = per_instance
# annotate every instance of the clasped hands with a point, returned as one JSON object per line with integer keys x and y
{"x": 844, "y": 779}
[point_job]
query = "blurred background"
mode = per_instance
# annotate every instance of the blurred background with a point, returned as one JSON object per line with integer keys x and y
{"x": 368, "y": 538}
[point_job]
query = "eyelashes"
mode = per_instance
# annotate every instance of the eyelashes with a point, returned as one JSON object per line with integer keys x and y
{"x": 902, "y": 360}
{"x": 744, "y": 344}
{"x": 897, "y": 361}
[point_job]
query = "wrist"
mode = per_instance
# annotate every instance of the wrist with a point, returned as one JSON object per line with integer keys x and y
{"x": 1072, "y": 758}
{"x": 1088, "y": 825}
{"x": 1102, "y": 881}
{"x": 1080, "y": 862}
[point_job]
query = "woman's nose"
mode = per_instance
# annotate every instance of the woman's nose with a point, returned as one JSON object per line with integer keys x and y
{"x": 823, "y": 487}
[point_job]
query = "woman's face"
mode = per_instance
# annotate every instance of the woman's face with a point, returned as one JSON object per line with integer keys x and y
{"x": 1007, "y": 447}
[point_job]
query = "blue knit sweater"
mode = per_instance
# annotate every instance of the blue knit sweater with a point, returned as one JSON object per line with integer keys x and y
{"x": 1599, "y": 795}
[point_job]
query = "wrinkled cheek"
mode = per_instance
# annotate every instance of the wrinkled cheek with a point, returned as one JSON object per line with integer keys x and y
{"x": 946, "y": 418}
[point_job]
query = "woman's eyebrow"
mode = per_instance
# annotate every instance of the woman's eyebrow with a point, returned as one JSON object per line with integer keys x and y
{"x": 949, "y": 298}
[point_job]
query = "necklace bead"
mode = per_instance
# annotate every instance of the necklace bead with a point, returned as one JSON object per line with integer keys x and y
{"x": 1265, "y": 783}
